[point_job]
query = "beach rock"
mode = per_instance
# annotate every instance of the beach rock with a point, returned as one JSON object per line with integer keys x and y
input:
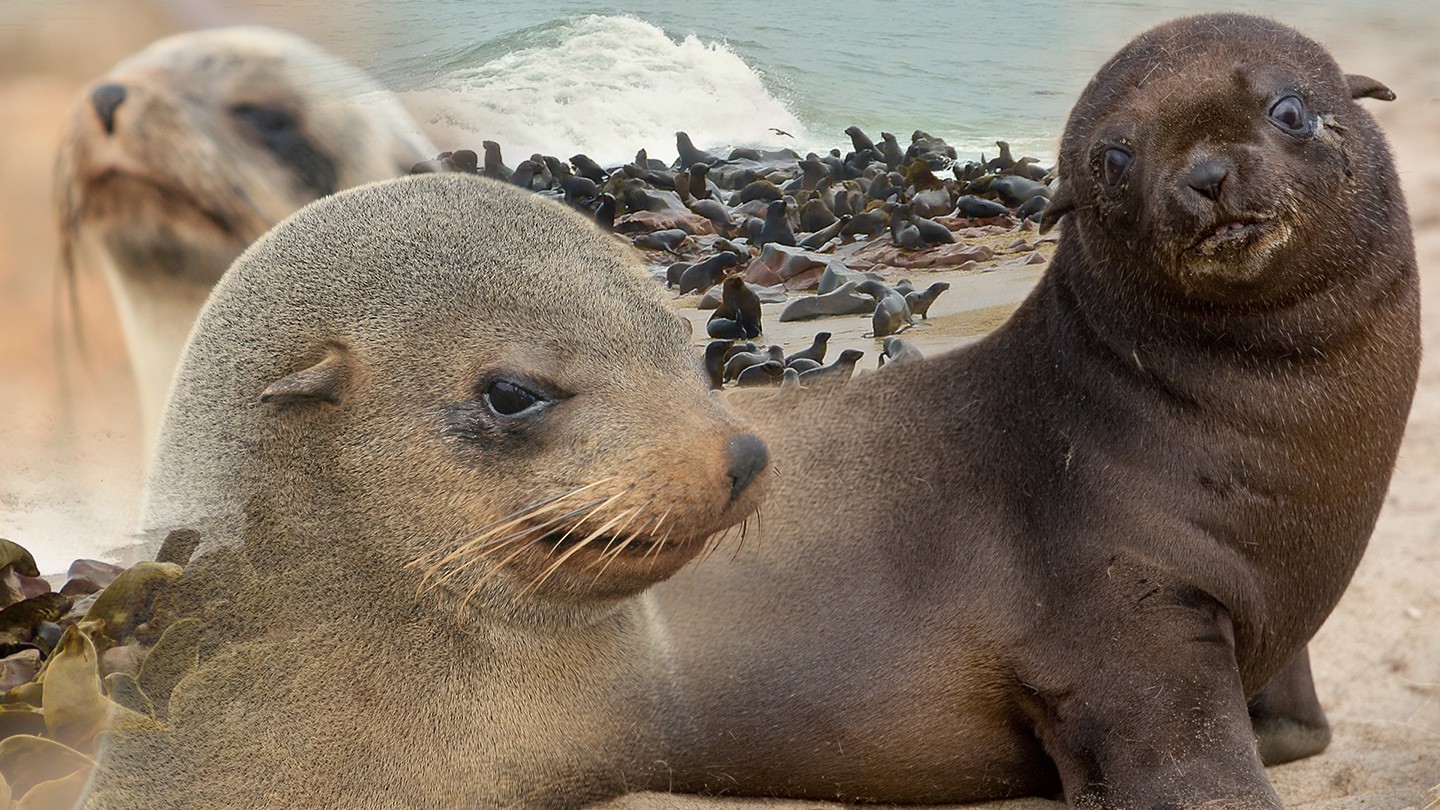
{"x": 836, "y": 274}
{"x": 100, "y": 573}
{"x": 844, "y": 300}
{"x": 690, "y": 223}
{"x": 935, "y": 258}
{"x": 795, "y": 268}
{"x": 125, "y": 658}
{"x": 18, "y": 668}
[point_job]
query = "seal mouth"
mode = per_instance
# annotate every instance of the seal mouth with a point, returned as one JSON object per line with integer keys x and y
{"x": 112, "y": 183}
{"x": 1233, "y": 235}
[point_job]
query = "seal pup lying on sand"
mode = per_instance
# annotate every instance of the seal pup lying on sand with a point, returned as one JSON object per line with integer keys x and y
{"x": 186, "y": 152}
{"x": 1133, "y": 504}
{"x": 435, "y": 470}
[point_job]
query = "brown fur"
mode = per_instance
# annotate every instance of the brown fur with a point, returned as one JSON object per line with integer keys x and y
{"x": 390, "y": 620}
{"x": 1128, "y": 509}
{"x": 164, "y": 203}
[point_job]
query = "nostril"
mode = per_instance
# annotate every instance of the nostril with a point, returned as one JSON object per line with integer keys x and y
{"x": 107, "y": 98}
{"x": 1207, "y": 177}
{"x": 746, "y": 456}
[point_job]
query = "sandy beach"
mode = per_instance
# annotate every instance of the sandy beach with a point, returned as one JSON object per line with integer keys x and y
{"x": 72, "y": 473}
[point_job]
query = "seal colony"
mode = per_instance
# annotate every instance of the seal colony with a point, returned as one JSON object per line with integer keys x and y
{"x": 433, "y": 471}
{"x": 1129, "y": 511}
{"x": 188, "y": 151}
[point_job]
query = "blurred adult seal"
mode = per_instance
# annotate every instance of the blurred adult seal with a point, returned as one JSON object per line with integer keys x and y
{"x": 434, "y": 470}
{"x": 1131, "y": 506}
{"x": 188, "y": 151}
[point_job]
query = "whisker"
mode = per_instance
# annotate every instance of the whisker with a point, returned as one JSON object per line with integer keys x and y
{"x": 568, "y": 554}
{"x": 494, "y": 527}
{"x": 476, "y": 555}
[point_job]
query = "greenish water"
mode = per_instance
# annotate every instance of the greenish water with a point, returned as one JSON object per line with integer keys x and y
{"x": 565, "y": 75}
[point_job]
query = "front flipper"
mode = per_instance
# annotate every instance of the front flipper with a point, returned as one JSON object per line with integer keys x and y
{"x": 1287, "y": 716}
{"x": 1144, "y": 708}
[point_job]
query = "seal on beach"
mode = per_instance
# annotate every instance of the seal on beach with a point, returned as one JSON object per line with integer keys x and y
{"x": 185, "y": 153}
{"x": 433, "y": 475}
{"x": 1129, "y": 512}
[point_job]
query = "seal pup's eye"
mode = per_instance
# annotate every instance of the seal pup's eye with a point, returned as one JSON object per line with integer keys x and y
{"x": 1289, "y": 115}
{"x": 506, "y": 398}
{"x": 1115, "y": 163}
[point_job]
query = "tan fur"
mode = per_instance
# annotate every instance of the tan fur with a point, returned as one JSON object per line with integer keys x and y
{"x": 164, "y": 203}
{"x": 364, "y": 651}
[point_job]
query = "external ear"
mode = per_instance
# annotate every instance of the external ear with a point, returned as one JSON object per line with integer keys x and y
{"x": 1366, "y": 87}
{"x": 324, "y": 381}
{"x": 1061, "y": 203}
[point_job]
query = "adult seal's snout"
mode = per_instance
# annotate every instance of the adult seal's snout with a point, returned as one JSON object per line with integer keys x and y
{"x": 747, "y": 458}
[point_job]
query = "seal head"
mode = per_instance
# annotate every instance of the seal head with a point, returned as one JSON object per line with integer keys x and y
{"x": 1211, "y": 159}
{"x": 185, "y": 153}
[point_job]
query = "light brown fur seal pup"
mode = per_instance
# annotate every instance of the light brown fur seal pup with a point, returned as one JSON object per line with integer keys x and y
{"x": 434, "y": 469}
{"x": 185, "y": 153}
{"x": 1131, "y": 506}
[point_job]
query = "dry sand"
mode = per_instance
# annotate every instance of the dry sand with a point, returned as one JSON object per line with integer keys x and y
{"x": 70, "y": 476}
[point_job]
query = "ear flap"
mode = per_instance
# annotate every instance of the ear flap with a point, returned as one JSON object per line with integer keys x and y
{"x": 1061, "y": 204}
{"x": 1366, "y": 87}
{"x": 324, "y": 381}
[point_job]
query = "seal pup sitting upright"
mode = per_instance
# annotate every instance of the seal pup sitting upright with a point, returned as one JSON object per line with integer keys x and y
{"x": 1131, "y": 508}
{"x": 183, "y": 154}
{"x": 435, "y": 470}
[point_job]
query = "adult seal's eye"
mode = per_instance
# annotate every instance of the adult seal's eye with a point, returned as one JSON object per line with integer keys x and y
{"x": 1115, "y": 163}
{"x": 1289, "y": 115}
{"x": 508, "y": 399}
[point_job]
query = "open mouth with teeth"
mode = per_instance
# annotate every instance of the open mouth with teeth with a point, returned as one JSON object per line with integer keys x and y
{"x": 1235, "y": 234}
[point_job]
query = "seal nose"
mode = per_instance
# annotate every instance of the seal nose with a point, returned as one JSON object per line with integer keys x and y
{"x": 106, "y": 99}
{"x": 747, "y": 457}
{"x": 1207, "y": 177}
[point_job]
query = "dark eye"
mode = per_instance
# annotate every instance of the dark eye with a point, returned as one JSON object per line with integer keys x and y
{"x": 1116, "y": 163}
{"x": 280, "y": 132}
{"x": 266, "y": 121}
{"x": 1289, "y": 114}
{"x": 506, "y": 398}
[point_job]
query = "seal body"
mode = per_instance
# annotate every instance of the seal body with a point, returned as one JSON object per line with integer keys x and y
{"x": 1129, "y": 510}
{"x": 188, "y": 151}
{"x": 433, "y": 475}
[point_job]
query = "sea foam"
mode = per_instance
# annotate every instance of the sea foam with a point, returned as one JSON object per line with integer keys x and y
{"x": 605, "y": 86}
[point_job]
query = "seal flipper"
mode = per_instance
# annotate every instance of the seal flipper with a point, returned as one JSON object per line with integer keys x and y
{"x": 323, "y": 381}
{"x": 1366, "y": 87}
{"x": 1119, "y": 733}
{"x": 1287, "y": 716}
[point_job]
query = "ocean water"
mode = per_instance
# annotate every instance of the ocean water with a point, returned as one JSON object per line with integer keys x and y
{"x": 561, "y": 76}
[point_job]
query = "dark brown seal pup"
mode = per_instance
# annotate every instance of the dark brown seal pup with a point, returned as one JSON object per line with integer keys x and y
{"x": 434, "y": 475}
{"x": 1134, "y": 503}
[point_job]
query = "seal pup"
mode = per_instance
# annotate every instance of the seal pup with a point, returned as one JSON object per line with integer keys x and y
{"x": 185, "y": 153}
{"x": 920, "y": 301}
{"x": 892, "y": 312}
{"x": 1135, "y": 512}
{"x": 433, "y": 475}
